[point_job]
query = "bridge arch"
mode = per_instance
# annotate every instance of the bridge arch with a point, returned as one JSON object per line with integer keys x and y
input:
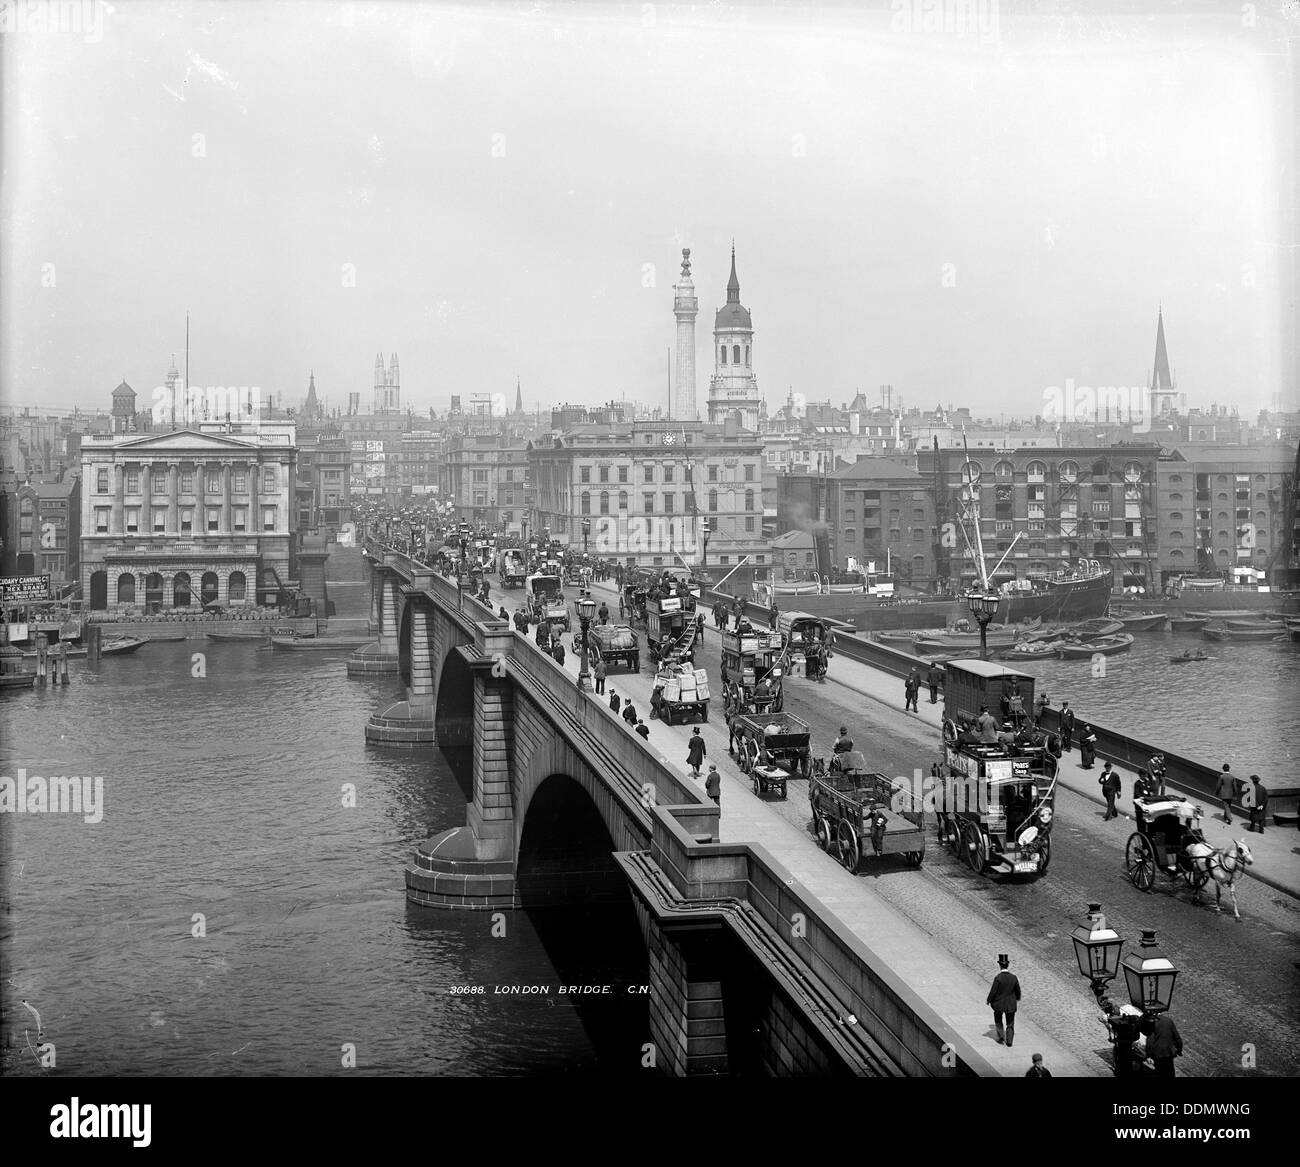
{"x": 453, "y": 715}
{"x": 566, "y": 851}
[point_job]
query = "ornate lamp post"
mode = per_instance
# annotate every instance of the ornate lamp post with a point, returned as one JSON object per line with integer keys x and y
{"x": 586, "y": 530}
{"x": 983, "y": 607}
{"x": 586, "y": 610}
{"x": 708, "y": 530}
{"x": 1149, "y": 977}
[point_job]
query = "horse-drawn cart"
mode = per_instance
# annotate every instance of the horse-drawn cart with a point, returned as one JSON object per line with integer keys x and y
{"x": 1168, "y": 833}
{"x": 771, "y": 747}
{"x": 854, "y": 808}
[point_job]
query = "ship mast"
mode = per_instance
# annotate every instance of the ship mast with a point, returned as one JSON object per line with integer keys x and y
{"x": 975, "y": 502}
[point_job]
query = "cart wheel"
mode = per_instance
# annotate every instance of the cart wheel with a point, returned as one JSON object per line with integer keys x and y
{"x": 753, "y": 781}
{"x": 781, "y": 791}
{"x": 1140, "y": 861}
{"x": 636, "y": 664}
{"x": 914, "y": 858}
{"x": 704, "y": 716}
{"x": 973, "y": 848}
{"x": 825, "y": 838}
{"x": 1045, "y": 857}
{"x": 850, "y": 851}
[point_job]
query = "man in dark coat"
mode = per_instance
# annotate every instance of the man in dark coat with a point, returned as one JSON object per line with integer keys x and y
{"x": 1004, "y": 999}
{"x": 643, "y": 729}
{"x": 713, "y": 785}
{"x": 629, "y": 714}
{"x": 1163, "y": 1045}
{"x": 932, "y": 679}
{"x": 1257, "y": 793}
{"x": 695, "y": 753}
{"x": 602, "y": 613}
{"x": 615, "y": 701}
{"x": 1226, "y": 791}
{"x": 1110, "y": 788}
{"x": 1067, "y": 727}
{"x": 1087, "y": 748}
{"x": 1038, "y": 1070}
{"x": 557, "y": 651}
{"x": 911, "y": 687}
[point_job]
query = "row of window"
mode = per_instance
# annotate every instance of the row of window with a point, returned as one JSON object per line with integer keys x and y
{"x": 239, "y": 482}
{"x": 212, "y": 517}
{"x": 648, "y": 501}
{"x": 236, "y": 588}
{"x": 648, "y": 473}
{"x": 735, "y": 354}
{"x": 1067, "y": 471}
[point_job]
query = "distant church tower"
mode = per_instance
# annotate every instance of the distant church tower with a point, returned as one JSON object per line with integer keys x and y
{"x": 388, "y": 386}
{"x": 733, "y": 388}
{"x": 685, "y": 307}
{"x": 311, "y": 409}
{"x": 124, "y": 409}
{"x": 1162, "y": 392}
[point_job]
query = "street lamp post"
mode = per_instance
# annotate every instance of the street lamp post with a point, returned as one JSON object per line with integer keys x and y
{"x": 1149, "y": 976}
{"x": 586, "y": 530}
{"x": 983, "y": 606}
{"x": 708, "y": 530}
{"x": 586, "y": 610}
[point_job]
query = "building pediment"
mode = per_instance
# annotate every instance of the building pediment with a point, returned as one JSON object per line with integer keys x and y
{"x": 187, "y": 440}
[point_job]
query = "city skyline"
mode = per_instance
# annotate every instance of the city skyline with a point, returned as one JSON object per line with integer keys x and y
{"x": 531, "y": 224}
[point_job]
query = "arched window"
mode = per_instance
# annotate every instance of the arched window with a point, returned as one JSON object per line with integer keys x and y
{"x": 722, "y": 354}
{"x": 749, "y": 500}
{"x": 586, "y": 503}
{"x": 1175, "y": 497}
{"x": 713, "y": 500}
{"x": 747, "y": 354}
{"x": 209, "y": 587}
{"x": 1175, "y": 516}
{"x": 181, "y": 590}
{"x": 27, "y": 506}
{"x": 238, "y": 587}
{"x": 99, "y": 590}
{"x": 622, "y": 500}
{"x": 153, "y": 588}
{"x": 1003, "y": 470}
{"x": 1176, "y": 556}
{"x": 126, "y": 588}
{"x": 1068, "y": 471}
{"x": 1036, "y": 471}
{"x": 604, "y": 502}
{"x": 735, "y": 354}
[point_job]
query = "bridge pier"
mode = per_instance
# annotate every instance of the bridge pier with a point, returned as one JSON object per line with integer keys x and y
{"x": 380, "y": 657}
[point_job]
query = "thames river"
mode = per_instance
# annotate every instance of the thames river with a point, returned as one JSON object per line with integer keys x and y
{"x": 229, "y": 915}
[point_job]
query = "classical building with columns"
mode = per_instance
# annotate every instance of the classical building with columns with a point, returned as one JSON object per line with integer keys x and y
{"x": 192, "y": 517}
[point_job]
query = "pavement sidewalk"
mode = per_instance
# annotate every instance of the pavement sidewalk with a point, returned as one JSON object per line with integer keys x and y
{"x": 1275, "y": 860}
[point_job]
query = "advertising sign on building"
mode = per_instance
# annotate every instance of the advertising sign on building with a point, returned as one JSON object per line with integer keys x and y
{"x": 24, "y": 589}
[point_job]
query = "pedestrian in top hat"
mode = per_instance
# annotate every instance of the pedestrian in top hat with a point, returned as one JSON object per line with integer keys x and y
{"x": 1110, "y": 788}
{"x": 695, "y": 752}
{"x": 1144, "y": 786}
{"x": 1004, "y": 998}
{"x": 1038, "y": 1070}
{"x": 1226, "y": 791}
{"x": 1067, "y": 727}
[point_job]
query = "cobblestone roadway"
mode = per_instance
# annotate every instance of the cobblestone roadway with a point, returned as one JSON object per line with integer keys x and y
{"x": 1239, "y": 983}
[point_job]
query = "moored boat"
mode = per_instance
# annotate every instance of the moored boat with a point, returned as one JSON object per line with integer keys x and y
{"x": 1224, "y": 633}
{"x": 1188, "y": 657}
{"x": 1101, "y": 646}
{"x": 1143, "y": 621}
{"x": 246, "y": 637}
{"x": 121, "y": 645}
{"x": 1187, "y": 623}
{"x": 319, "y": 643}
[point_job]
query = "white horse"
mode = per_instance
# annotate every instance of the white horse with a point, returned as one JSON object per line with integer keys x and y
{"x": 1224, "y": 866}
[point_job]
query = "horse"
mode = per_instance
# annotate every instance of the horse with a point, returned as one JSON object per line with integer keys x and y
{"x": 1224, "y": 866}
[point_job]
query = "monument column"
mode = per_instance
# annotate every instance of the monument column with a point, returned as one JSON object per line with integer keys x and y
{"x": 173, "y": 499}
{"x": 118, "y": 524}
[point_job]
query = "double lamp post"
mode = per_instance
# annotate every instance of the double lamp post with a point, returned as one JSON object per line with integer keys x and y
{"x": 1149, "y": 977}
{"x": 586, "y": 610}
{"x": 983, "y": 606}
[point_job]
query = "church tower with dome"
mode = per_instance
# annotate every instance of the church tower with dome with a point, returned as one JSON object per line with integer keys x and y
{"x": 733, "y": 388}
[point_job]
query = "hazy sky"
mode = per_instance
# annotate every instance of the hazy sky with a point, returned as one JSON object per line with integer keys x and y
{"x": 970, "y": 214}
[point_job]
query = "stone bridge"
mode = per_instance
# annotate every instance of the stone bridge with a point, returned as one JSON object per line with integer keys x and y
{"x": 747, "y": 971}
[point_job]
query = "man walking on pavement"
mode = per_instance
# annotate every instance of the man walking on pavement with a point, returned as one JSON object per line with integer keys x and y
{"x": 1226, "y": 791}
{"x": 600, "y": 674}
{"x": 695, "y": 753}
{"x": 615, "y": 701}
{"x": 911, "y": 689}
{"x": 932, "y": 679}
{"x": 1067, "y": 727}
{"x": 713, "y": 785}
{"x": 1004, "y": 998}
{"x": 1110, "y": 787}
{"x": 1164, "y": 1044}
{"x": 1087, "y": 748}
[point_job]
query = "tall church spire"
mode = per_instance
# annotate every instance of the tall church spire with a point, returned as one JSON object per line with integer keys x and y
{"x": 1162, "y": 380}
{"x": 519, "y": 397}
{"x": 733, "y": 284}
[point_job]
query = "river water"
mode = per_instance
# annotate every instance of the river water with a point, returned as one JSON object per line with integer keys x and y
{"x": 1240, "y": 706}
{"x": 223, "y": 813}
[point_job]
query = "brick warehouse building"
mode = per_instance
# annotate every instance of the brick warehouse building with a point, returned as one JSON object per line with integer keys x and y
{"x": 1064, "y": 503}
